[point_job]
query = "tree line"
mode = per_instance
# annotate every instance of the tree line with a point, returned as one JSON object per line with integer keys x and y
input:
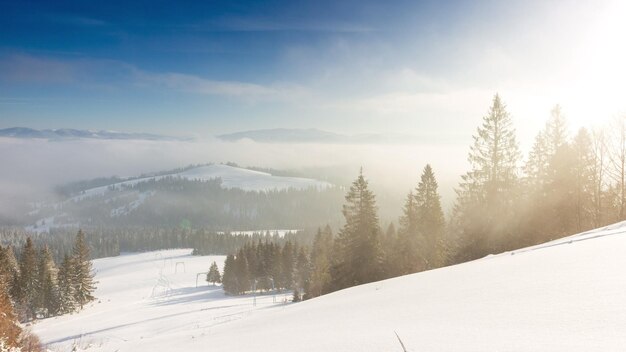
{"x": 109, "y": 242}
{"x": 38, "y": 288}
{"x": 360, "y": 253}
{"x": 566, "y": 185}
{"x": 266, "y": 266}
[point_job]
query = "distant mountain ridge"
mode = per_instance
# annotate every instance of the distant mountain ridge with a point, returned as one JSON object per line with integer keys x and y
{"x": 312, "y": 135}
{"x": 70, "y": 133}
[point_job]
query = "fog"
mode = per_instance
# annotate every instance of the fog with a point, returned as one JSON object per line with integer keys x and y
{"x": 33, "y": 167}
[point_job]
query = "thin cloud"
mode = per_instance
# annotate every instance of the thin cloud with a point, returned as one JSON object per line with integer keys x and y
{"x": 198, "y": 85}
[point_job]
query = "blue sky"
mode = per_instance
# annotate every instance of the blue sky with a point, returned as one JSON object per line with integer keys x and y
{"x": 202, "y": 68}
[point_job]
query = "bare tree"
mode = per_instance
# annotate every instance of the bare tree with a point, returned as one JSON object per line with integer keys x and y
{"x": 617, "y": 157}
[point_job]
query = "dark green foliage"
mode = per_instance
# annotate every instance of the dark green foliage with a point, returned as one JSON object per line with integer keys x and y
{"x": 229, "y": 279}
{"x": 358, "y": 255}
{"x": 266, "y": 266}
{"x": 24, "y": 290}
{"x": 48, "y": 290}
{"x": 82, "y": 278}
{"x": 67, "y": 293}
{"x": 213, "y": 275}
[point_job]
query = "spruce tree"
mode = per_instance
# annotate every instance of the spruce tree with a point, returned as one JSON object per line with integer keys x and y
{"x": 485, "y": 196}
{"x": 67, "y": 302}
{"x": 320, "y": 262}
{"x": 214, "y": 274}
{"x": 242, "y": 273}
{"x": 287, "y": 265}
{"x": 406, "y": 256}
{"x": 229, "y": 279}
{"x": 48, "y": 290}
{"x": 26, "y": 284}
{"x": 82, "y": 277}
{"x": 431, "y": 222}
{"x": 302, "y": 271}
{"x": 8, "y": 265}
{"x": 358, "y": 253}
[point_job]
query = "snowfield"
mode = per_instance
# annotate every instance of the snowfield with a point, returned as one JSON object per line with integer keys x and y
{"x": 566, "y": 295}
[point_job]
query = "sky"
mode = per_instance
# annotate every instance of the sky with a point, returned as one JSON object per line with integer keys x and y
{"x": 203, "y": 68}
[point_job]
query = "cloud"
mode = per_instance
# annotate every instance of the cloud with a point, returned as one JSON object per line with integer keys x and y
{"x": 108, "y": 74}
{"x": 198, "y": 85}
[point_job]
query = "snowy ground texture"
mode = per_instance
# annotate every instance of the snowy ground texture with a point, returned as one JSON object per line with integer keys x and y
{"x": 567, "y": 295}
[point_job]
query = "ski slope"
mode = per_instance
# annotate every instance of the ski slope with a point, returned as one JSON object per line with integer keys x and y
{"x": 565, "y": 295}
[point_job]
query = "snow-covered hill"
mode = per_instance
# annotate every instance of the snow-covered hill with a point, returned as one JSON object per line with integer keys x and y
{"x": 232, "y": 177}
{"x": 566, "y": 295}
{"x": 112, "y": 201}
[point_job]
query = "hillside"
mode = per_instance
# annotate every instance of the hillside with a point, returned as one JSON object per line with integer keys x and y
{"x": 566, "y": 295}
{"x": 218, "y": 196}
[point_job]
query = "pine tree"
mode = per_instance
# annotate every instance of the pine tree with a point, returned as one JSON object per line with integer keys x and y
{"x": 287, "y": 265}
{"x": 26, "y": 283}
{"x": 67, "y": 294}
{"x": 358, "y": 253}
{"x": 320, "y": 262}
{"x": 485, "y": 196}
{"x": 82, "y": 277}
{"x": 242, "y": 273}
{"x": 229, "y": 278}
{"x": 431, "y": 222}
{"x": 48, "y": 290}
{"x": 302, "y": 271}
{"x": 406, "y": 256}
{"x": 8, "y": 265}
{"x": 214, "y": 274}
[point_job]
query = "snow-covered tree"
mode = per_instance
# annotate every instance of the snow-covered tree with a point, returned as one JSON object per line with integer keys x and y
{"x": 82, "y": 275}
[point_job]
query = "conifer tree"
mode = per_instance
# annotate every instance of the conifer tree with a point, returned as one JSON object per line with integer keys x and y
{"x": 320, "y": 262}
{"x": 67, "y": 302}
{"x": 8, "y": 265}
{"x": 358, "y": 253}
{"x": 26, "y": 283}
{"x": 242, "y": 273}
{"x": 431, "y": 221}
{"x": 406, "y": 256}
{"x": 214, "y": 274}
{"x": 229, "y": 279}
{"x": 48, "y": 290}
{"x": 82, "y": 277}
{"x": 287, "y": 265}
{"x": 302, "y": 271}
{"x": 486, "y": 193}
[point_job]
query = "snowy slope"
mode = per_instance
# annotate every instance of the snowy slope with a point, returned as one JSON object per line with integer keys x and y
{"x": 566, "y": 295}
{"x": 232, "y": 177}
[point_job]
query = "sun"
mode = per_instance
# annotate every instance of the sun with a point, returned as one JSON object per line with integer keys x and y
{"x": 596, "y": 87}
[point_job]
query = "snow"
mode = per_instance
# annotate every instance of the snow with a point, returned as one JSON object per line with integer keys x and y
{"x": 232, "y": 177}
{"x": 566, "y": 295}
